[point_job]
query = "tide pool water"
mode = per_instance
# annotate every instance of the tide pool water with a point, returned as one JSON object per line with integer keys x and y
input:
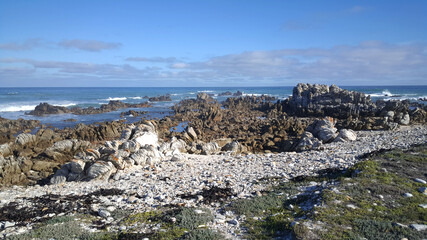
{"x": 15, "y": 102}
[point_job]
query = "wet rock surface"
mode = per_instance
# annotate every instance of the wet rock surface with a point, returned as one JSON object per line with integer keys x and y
{"x": 163, "y": 98}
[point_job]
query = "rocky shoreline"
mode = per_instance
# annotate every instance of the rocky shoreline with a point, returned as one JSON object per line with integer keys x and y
{"x": 226, "y": 151}
{"x": 165, "y": 183}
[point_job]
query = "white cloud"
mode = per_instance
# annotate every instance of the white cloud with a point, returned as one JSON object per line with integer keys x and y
{"x": 26, "y": 45}
{"x": 152, "y": 59}
{"x": 371, "y": 62}
{"x": 179, "y": 65}
{"x": 89, "y": 45}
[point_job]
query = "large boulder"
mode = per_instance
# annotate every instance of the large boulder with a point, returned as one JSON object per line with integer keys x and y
{"x": 308, "y": 142}
{"x": 323, "y": 129}
{"x": 46, "y": 108}
{"x": 137, "y": 146}
{"x": 209, "y": 148}
{"x": 101, "y": 170}
{"x": 346, "y": 135}
{"x": 5, "y": 149}
{"x": 25, "y": 138}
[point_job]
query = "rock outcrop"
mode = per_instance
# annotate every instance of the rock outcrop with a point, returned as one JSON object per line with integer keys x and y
{"x": 352, "y": 109}
{"x": 321, "y": 132}
{"x": 45, "y": 108}
{"x": 10, "y": 127}
{"x": 138, "y": 145}
{"x": 323, "y": 100}
{"x": 163, "y": 98}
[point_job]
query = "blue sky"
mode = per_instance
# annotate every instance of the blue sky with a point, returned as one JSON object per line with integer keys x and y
{"x": 212, "y": 43}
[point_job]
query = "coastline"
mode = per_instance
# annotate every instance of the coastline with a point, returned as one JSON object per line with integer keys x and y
{"x": 240, "y": 173}
{"x": 204, "y": 157}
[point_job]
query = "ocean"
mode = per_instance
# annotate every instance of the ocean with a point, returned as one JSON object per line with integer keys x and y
{"x": 15, "y": 102}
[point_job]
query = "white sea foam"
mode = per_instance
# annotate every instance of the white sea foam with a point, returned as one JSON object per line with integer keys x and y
{"x": 253, "y": 94}
{"x": 115, "y": 99}
{"x": 385, "y": 93}
{"x": 17, "y": 108}
{"x": 135, "y": 98}
{"x": 29, "y": 107}
{"x": 206, "y": 91}
{"x": 65, "y": 105}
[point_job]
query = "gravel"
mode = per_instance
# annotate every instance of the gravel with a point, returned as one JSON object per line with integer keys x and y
{"x": 163, "y": 183}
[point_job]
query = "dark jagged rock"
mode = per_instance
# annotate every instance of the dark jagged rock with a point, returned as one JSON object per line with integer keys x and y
{"x": 322, "y": 100}
{"x": 227, "y": 93}
{"x": 243, "y": 119}
{"x": 132, "y": 113}
{"x": 10, "y": 127}
{"x": 164, "y": 98}
{"x": 353, "y": 110}
{"x": 238, "y": 94}
{"x": 45, "y": 108}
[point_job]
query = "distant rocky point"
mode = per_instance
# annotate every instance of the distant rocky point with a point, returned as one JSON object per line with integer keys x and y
{"x": 163, "y": 98}
{"x": 46, "y": 108}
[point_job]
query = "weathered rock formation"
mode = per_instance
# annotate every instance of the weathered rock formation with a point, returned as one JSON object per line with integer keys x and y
{"x": 352, "y": 110}
{"x": 163, "y": 98}
{"x": 45, "y": 108}
{"x": 321, "y": 132}
{"x": 323, "y": 100}
{"x": 28, "y": 158}
{"x": 138, "y": 145}
{"x": 10, "y": 127}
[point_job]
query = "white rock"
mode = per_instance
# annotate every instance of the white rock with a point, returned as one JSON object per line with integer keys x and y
{"x": 419, "y": 227}
{"x": 234, "y": 222}
{"x": 104, "y": 213}
{"x": 419, "y": 180}
{"x": 148, "y": 138}
{"x": 346, "y": 135}
{"x": 198, "y": 211}
{"x": 111, "y": 208}
{"x": 423, "y": 205}
{"x": 408, "y": 195}
{"x": 351, "y": 206}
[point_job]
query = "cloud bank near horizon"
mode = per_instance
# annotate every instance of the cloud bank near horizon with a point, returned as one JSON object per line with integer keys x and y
{"x": 360, "y": 64}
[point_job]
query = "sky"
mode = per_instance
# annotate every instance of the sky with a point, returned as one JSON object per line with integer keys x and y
{"x": 110, "y": 43}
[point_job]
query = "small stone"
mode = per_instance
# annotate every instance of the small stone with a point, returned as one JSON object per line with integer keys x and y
{"x": 104, "y": 213}
{"x": 400, "y": 225}
{"x": 122, "y": 228}
{"x": 419, "y": 180}
{"x": 111, "y": 208}
{"x": 8, "y": 224}
{"x": 423, "y": 205}
{"x": 132, "y": 199}
{"x": 351, "y": 206}
{"x": 234, "y": 222}
{"x": 423, "y": 190}
{"x": 408, "y": 195}
{"x": 198, "y": 211}
{"x": 418, "y": 227}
